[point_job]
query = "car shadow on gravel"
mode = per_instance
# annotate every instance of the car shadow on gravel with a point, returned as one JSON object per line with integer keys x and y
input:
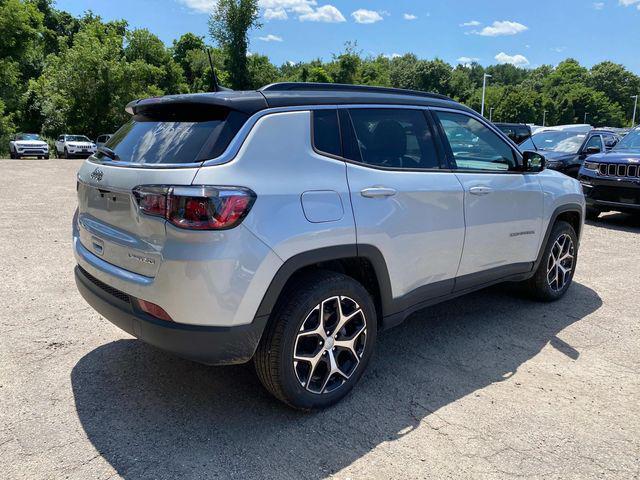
{"x": 151, "y": 415}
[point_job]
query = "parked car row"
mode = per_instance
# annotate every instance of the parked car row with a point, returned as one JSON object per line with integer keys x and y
{"x": 66, "y": 146}
{"x": 566, "y": 149}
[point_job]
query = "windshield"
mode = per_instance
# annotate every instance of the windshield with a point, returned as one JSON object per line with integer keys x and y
{"x": 77, "y": 138}
{"x": 565, "y": 142}
{"x": 28, "y": 136}
{"x": 631, "y": 141}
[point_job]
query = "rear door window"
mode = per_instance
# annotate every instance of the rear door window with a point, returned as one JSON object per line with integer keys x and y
{"x": 394, "y": 138}
{"x": 171, "y": 139}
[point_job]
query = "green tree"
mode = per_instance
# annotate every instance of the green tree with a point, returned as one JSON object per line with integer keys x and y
{"x": 375, "y": 71}
{"x": 346, "y": 65}
{"x": 616, "y": 82}
{"x": 433, "y": 76}
{"x": 403, "y": 72}
{"x": 261, "y": 71}
{"x": 6, "y": 130}
{"x": 86, "y": 87}
{"x": 318, "y": 74}
{"x": 188, "y": 51}
{"x": 229, "y": 26}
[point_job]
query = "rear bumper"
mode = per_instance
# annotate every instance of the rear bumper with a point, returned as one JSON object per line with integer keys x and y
{"x": 203, "y": 344}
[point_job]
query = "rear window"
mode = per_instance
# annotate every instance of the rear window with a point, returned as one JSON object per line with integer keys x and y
{"x": 164, "y": 139}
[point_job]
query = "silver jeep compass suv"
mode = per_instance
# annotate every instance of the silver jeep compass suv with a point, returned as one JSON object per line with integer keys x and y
{"x": 291, "y": 224}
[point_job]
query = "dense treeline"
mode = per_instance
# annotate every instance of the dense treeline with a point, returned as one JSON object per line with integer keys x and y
{"x": 61, "y": 74}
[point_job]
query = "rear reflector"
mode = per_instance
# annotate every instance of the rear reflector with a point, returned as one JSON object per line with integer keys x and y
{"x": 154, "y": 310}
{"x": 196, "y": 207}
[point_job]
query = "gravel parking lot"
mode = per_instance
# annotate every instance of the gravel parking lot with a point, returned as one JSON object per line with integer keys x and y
{"x": 487, "y": 386}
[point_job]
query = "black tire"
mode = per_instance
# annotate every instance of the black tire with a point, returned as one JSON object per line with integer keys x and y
{"x": 46, "y": 157}
{"x": 11, "y": 155}
{"x": 539, "y": 286}
{"x": 65, "y": 154}
{"x": 274, "y": 357}
{"x": 592, "y": 214}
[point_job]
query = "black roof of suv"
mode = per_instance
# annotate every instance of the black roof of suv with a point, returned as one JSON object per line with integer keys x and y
{"x": 296, "y": 94}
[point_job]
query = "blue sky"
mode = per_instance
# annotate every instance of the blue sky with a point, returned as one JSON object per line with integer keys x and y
{"x": 525, "y": 33}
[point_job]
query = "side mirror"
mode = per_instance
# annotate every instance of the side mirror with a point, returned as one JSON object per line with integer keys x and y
{"x": 592, "y": 150}
{"x": 533, "y": 161}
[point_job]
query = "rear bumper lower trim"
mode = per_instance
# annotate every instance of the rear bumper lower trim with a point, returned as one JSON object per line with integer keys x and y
{"x": 203, "y": 344}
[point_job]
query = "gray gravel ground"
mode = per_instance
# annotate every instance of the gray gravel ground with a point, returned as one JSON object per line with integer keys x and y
{"x": 487, "y": 386}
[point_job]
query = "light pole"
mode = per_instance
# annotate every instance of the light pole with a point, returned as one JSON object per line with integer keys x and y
{"x": 484, "y": 89}
{"x": 544, "y": 118}
{"x": 635, "y": 107}
{"x": 585, "y": 117}
{"x": 491, "y": 114}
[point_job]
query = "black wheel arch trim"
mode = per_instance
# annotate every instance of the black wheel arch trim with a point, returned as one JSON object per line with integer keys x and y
{"x": 326, "y": 254}
{"x": 566, "y": 208}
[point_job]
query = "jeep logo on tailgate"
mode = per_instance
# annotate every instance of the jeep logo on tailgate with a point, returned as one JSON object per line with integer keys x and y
{"x": 97, "y": 175}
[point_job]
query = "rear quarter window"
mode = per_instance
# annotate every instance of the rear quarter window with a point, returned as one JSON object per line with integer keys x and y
{"x": 326, "y": 132}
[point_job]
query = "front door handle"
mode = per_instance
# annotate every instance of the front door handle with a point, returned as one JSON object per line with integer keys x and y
{"x": 378, "y": 192}
{"x": 480, "y": 190}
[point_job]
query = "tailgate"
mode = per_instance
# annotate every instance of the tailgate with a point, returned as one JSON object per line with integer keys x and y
{"x": 109, "y": 223}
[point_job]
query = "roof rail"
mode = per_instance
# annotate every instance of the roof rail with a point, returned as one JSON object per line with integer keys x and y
{"x": 341, "y": 87}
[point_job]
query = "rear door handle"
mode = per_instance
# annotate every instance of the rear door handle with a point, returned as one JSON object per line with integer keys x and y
{"x": 480, "y": 190}
{"x": 378, "y": 192}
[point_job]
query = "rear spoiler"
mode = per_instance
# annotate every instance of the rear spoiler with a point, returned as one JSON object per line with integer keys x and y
{"x": 246, "y": 102}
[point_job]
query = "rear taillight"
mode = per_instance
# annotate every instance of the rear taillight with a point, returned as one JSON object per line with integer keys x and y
{"x": 196, "y": 207}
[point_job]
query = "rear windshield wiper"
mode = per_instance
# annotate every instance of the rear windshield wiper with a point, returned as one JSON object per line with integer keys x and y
{"x": 109, "y": 153}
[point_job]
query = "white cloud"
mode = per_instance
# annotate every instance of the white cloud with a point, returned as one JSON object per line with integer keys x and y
{"x": 628, "y": 3}
{"x": 270, "y": 38}
{"x": 466, "y": 61}
{"x": 326, "y": 13}
{"x": 598, "y": 5}
{"x": 409, "y": 16}
{"x": 199, "y": 6}
{"x": 304, "y": 10}
{"x": 391, "y": 56}
{"x": 504, "y": 27}
{"x": 517, "y": 60}
{"x": 472, "y": 23}
{"x": 366, "y": 16}
{"x": 297, "y": 6}
{"x": 275, "y": 14}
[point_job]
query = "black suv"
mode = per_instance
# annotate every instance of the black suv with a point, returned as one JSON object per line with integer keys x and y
{"x": 566, "y": 150}
{"x": 611, "y": 181}
{"x": 518, "y": 132}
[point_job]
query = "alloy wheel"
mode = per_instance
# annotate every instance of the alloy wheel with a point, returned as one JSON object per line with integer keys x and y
{"x": 330, "y": 344}
{"x": 560, "y": 263}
